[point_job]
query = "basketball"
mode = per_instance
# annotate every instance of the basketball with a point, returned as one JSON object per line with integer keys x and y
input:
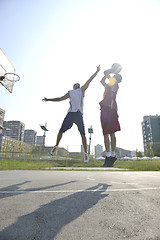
{"x": 116, "y": 67}
{"x": 112, "y": 81}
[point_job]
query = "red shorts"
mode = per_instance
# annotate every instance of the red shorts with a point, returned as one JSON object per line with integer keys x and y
{"x": 109, "y": 120}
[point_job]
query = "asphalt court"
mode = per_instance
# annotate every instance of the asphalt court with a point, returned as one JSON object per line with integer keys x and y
{"x": 75, "y": 181}
{"x": 79, "y": 205}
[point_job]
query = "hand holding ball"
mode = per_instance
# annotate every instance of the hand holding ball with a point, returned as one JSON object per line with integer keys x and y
{"x": 116, "y": 68}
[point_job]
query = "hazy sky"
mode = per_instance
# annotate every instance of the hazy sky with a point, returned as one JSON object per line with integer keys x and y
{"x": 56, "y": 43}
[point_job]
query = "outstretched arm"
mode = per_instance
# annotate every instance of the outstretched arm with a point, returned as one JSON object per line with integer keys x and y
{"x": 86, "y": 85}
{"x": 56, "y": 99}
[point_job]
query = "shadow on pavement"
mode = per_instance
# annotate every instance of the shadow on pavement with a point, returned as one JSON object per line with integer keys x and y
{"x": 14, "y": 189}
{"x": 47, "y": 221}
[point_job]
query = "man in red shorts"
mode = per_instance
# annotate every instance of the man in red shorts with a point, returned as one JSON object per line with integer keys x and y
{"x": 109, "y": 116}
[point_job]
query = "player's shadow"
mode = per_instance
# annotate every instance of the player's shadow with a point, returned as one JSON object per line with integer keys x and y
{"x": 47, "y": 221}
{"x": 11, "y": 189}
{"x": 15, "y": 189}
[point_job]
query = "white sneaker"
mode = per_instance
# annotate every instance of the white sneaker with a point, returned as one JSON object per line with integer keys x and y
{"x": 54, "y": 150}
{"x": 86, "y": 157}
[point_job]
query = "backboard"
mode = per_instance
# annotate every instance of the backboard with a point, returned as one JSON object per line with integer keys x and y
{"x": 6, "y": 67}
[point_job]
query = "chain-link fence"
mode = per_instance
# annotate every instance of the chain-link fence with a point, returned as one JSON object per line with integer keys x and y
{"x": 20, "y": 151}
{"x": 30, "y": 153}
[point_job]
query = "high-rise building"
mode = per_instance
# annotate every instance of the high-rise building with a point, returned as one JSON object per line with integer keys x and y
{"x": 98, "y": 150}
{"x": 30, "y": 136}
{"x": 40, "y": 140}
{"x": 151, "y": 135}
{"x": 2, "y": 114}
{"x": 14, "y": 129}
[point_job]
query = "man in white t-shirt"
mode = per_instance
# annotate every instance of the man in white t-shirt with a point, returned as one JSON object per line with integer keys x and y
{"x": 75, "y": 112}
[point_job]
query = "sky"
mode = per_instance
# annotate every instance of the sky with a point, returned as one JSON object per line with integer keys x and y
{"x": 56, "y": 43}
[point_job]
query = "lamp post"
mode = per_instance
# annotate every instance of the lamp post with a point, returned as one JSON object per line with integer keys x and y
{"x": 44, "y": 128}
{"x": 90, "y": 131}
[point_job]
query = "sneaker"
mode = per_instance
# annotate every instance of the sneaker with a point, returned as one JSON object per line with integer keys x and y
{"x": 106, "y": 162}
{"x": 86, "y": 158}
{"x": 54, "y": 150}
{"x": 111, "y": 161}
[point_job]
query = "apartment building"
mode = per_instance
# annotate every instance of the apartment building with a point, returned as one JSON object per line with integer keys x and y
{"x": 98, "y": 150}
{"x": 151, "y": 135}
{"x": 40, "y": 140}
{"x": 14, "y": 129}
{"x": 30, "y": 136}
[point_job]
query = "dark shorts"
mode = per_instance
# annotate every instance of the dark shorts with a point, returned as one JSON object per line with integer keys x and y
{"x": 109, "y": 120}
{"x": 73, "y": 117}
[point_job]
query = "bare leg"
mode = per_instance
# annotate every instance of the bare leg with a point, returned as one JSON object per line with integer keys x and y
{"x": 113, "y": 142}
{"x": 107, "y": 142}
{"x": 107, "y": 147}
{"x": 84, "y": 141}
{"x": 55, "y": 148}
{"x": 59, "y": 136}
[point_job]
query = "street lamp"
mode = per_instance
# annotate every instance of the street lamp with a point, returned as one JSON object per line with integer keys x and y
{"x": 90, "y": 131}
{"x": 44, "y": 128}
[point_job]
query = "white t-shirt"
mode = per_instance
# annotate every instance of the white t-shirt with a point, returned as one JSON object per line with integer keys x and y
{"x": 76, "y": 100}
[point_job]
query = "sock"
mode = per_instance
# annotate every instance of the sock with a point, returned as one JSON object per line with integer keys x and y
{"x": 113, "y": 154}
{"x": 108, "y": 154}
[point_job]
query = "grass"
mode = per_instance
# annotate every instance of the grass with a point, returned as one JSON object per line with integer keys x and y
{"x": 17, "y": 165}
{"x": 139, "y": 165}
{"x": 42, "y": 165}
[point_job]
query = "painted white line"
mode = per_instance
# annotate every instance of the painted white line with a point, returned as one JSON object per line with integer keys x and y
{"x": 79, "y": 190}
{"x": 125, "y": 183}
{"x": 91, "y": 179}
{"x": 132, "y": 189}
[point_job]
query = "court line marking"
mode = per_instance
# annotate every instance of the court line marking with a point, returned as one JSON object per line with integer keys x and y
{"x": 79, "y": 190}
{"x": 129, "y": 183}
{"x": 89, "y": 178}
